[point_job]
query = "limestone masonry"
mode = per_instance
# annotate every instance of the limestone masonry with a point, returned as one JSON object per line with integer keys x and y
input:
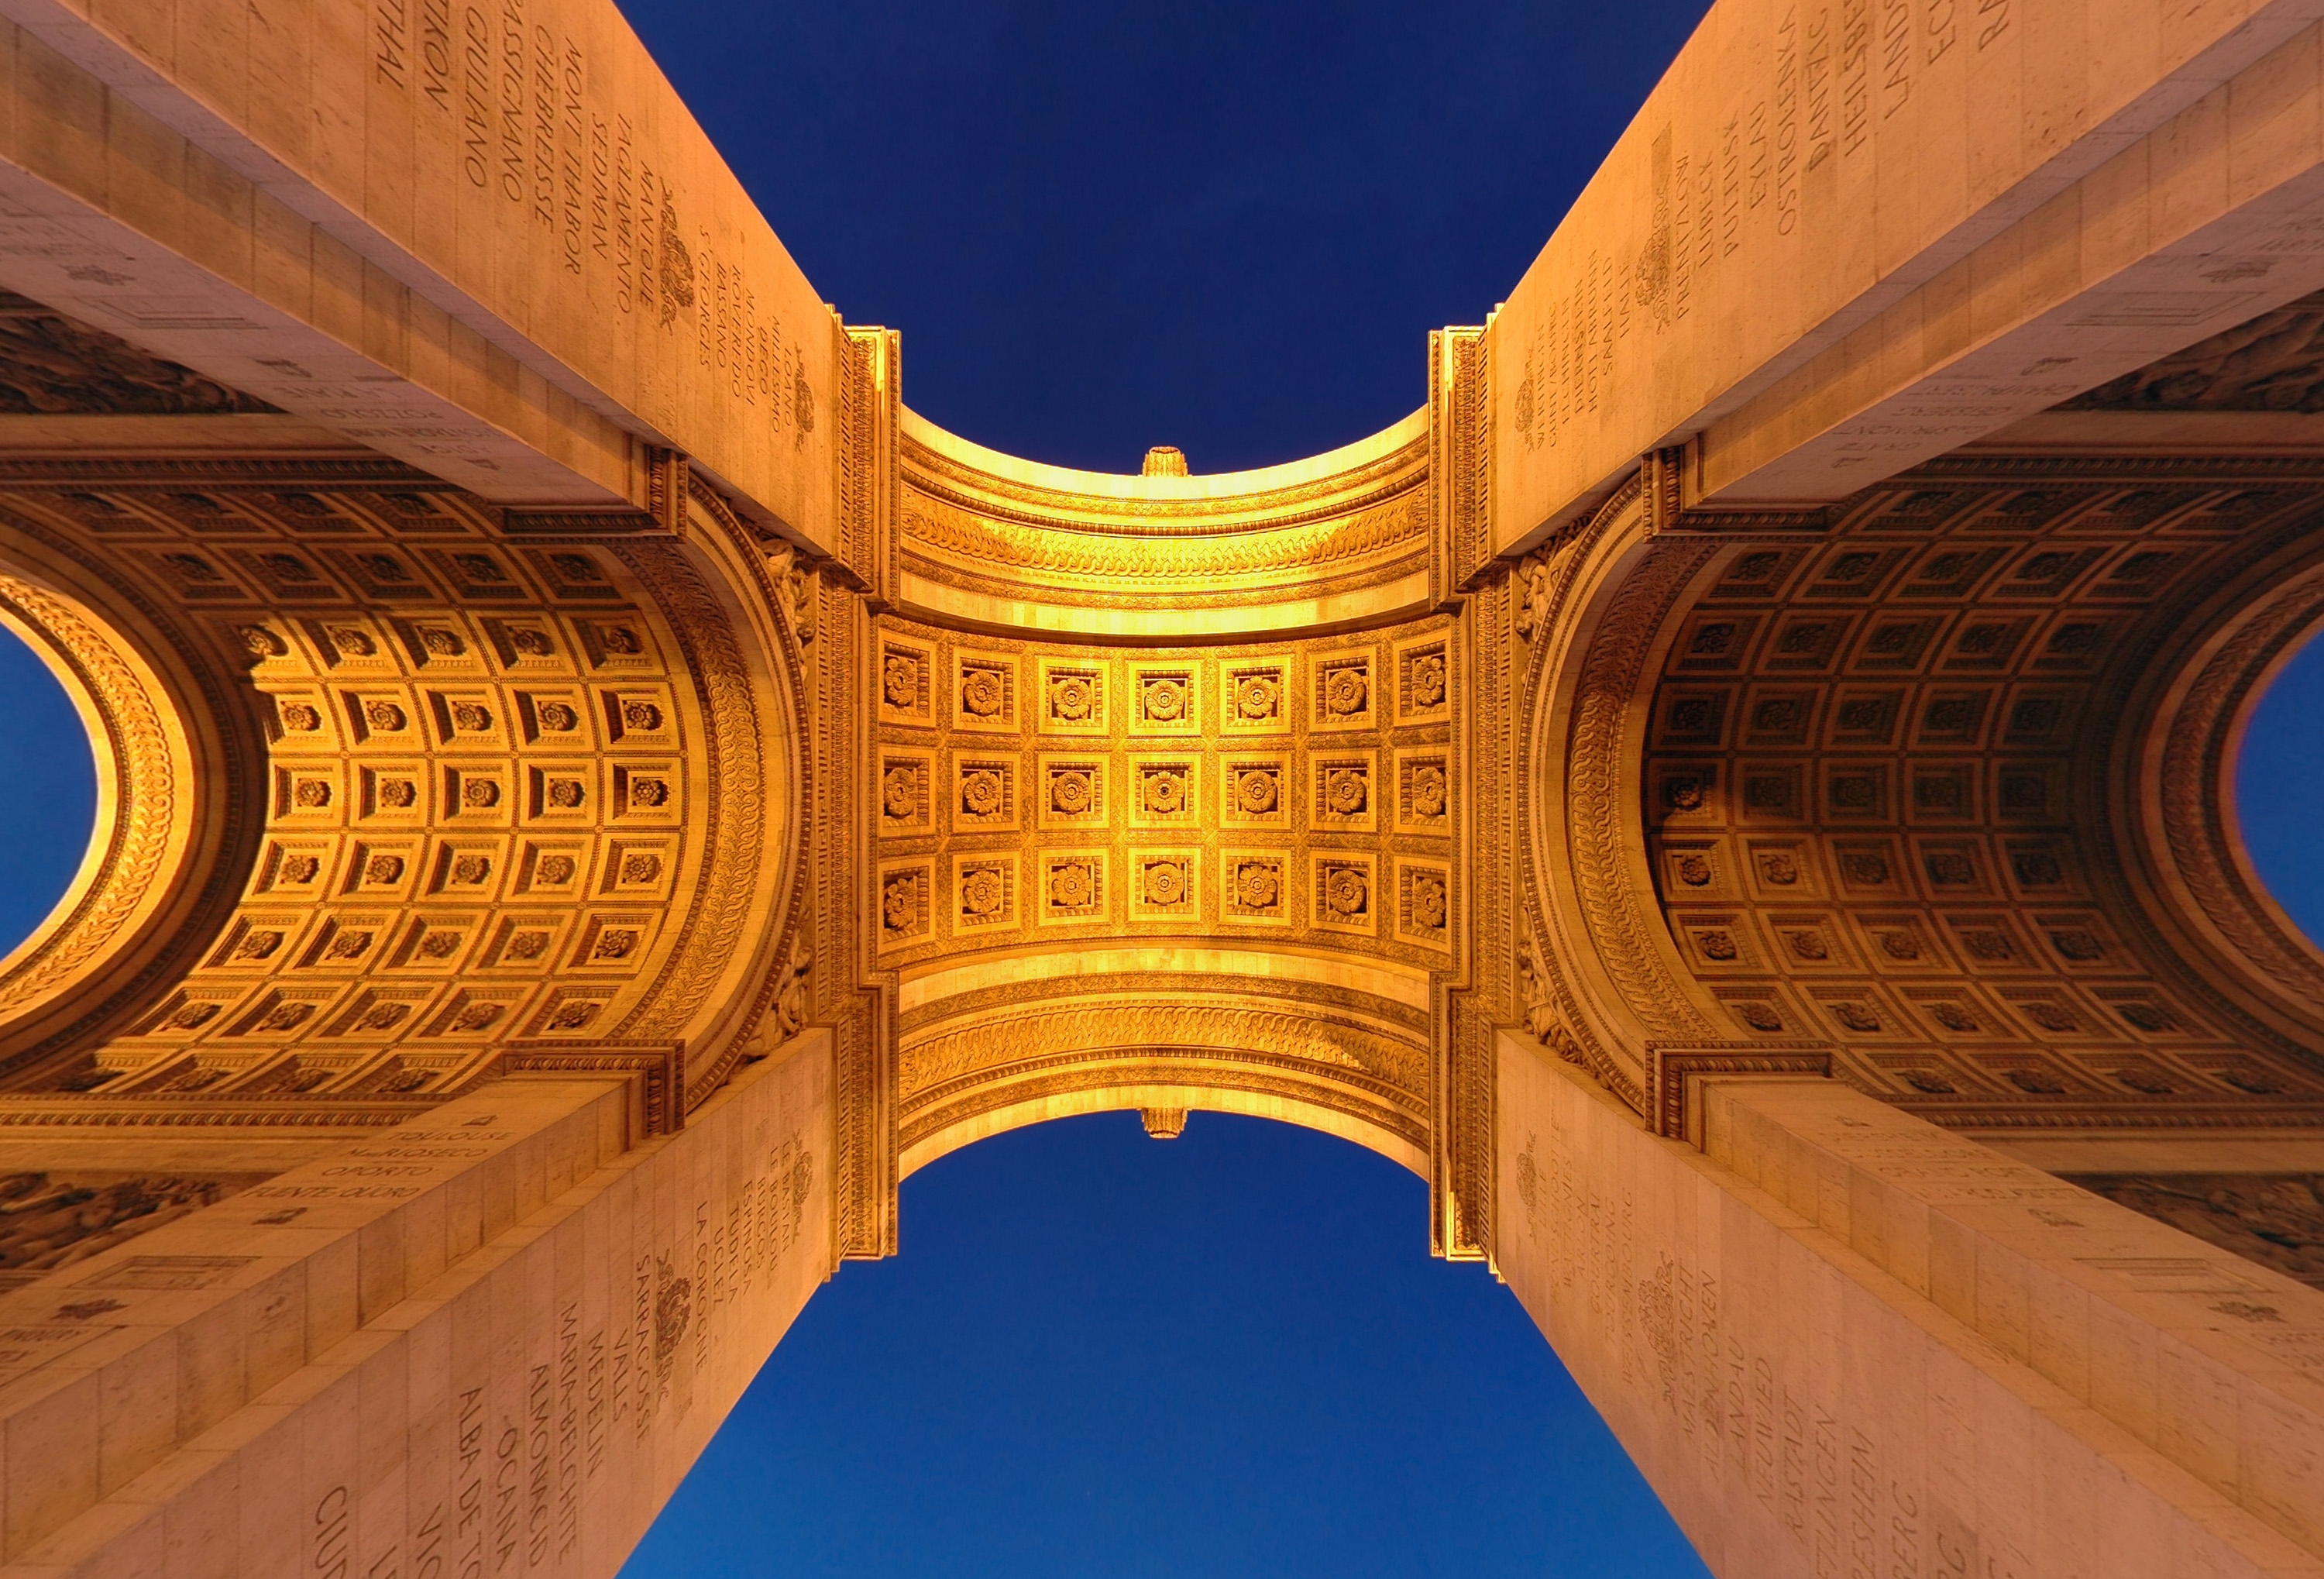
{"x": 1735, "y": 790}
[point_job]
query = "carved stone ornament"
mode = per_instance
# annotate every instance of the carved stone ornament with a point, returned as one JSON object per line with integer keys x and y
{"x": 1532, "y": 601}
{"x": 981, "y": 693}
{"x": 791, "y": 999}
{"x": 1428, "y": 791}
{"x": 981, "y": 792}
{"x": 983, "y": 891}
{"x": 1070, "y": 791}
{"x": 1163, "y": 699}
{"x": 1346, "y": 894}
{"x": 1258, "y": 698}
{"x": 799, "y": 582}
{"x": 899, "y": 792}
{"x": 1347, "y": 792}
{"x": 1256, "y": 791}
{"x": 1533, "y": 983}
{"x": 1071, "y": 696}
{"x": 2275, "y": 362}
{"x": 1164, "y": 881}
{"x": 1258, "y": 885}
{"x": 1346, "y": 690}
{"x": 52, "y": 365}
{"x": 900, "y": 680}
{"x": 1428, "y": 907}
{"x": 1163, "y": 792}
{"x": 48, "y": 1220}
{"x": 1428, "y": 680}
{"x": 1073, "y": 884}
{"x": 899, "y": 902}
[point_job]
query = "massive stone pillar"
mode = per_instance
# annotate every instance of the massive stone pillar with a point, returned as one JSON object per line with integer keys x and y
{"x": 492, "y": 1340}
{"x": 1839, "y": 1340}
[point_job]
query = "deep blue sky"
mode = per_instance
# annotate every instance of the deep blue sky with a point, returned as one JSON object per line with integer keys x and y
{"x": 1226, "y": 225}
{"x": 47, "y": 791}
{"x": 2283, "y": 758}
{"x": 1099, "y": 1354}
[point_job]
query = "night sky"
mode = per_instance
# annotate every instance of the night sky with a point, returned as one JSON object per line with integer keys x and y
{"x": 1227, "y": 227}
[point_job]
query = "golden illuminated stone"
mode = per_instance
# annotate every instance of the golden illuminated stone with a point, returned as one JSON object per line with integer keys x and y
{"x": 1752, "y": 749}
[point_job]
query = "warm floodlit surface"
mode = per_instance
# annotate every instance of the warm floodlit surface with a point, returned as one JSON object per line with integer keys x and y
{"x": 47, "y": 791}
{"x": 1103, "y": 1355}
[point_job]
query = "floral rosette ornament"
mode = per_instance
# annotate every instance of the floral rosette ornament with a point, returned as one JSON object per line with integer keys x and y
{"x": 1073, "y": 885}
{"x": 1345, "y": 892}
{"x": 1428, "y": 680}
{"x": 980, "y": 692}
{"x": 1345, "y": 691}
{"x": 1070, "y": 698}
{"x": 899, "y": 792}
{"x": 980, "y": 793}
{"x": 1428, "y": 902}
{"x": 981, "y": 891}
{"x": 1346, "y": 791}
{"x": 1166, "y": 700}
{"x": 1165, "y": 793}
{"x": 1257, "y": 887}
{"x": 1257, "y": 696}
{"x": 1165, "y": 883}
{"x": 1428, "y": 791}
{"x": 900, "y": 682}
{"x": 1070, "y": 793}
{"x": 899, "y": 903}
{"x": 1256, "y": 792}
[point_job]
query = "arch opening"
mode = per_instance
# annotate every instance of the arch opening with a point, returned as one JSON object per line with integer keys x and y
{"x": 1230, "y": 1353}
{"x": 47, "y": 786}
{"x": 2278, "y": 761}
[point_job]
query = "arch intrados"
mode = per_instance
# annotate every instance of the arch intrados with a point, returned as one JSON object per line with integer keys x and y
{"x": 1135, "y": 1096}
{"x": 1111, "y": 976}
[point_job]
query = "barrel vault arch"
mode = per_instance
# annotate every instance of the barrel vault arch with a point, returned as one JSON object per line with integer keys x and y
{"x": 1167, "y": 779}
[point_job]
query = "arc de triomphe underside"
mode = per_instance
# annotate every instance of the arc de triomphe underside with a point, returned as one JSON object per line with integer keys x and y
{"x": 1734, "y": 791}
